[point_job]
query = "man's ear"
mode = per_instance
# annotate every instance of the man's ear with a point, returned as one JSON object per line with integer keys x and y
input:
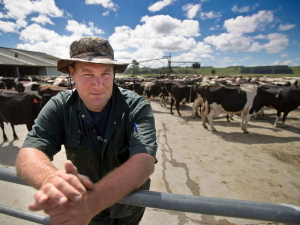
{"x": 71, "y": 69}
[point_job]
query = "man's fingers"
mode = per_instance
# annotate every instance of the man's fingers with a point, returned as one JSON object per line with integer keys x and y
{"x": 85, "y": 181}
{"x": 46, "y": 206}
{"x": 41, "y": 197}
{"x": 70, "y": 168}
{"x": 60, "y": 191}
{"x": 75, "y": 182}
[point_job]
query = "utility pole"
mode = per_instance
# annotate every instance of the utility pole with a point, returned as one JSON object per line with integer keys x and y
{"x": 169, "y": 64}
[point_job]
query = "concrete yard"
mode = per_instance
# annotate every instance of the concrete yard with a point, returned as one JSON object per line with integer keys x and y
{"x": 263, "y": 165}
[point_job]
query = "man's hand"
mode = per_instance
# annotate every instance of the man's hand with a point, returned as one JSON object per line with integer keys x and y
{"x": 72, "y": 213}
{"x": 63, "y": 186}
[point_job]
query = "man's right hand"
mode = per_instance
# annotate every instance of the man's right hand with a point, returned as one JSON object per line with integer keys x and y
{"x": 62, "y": 186}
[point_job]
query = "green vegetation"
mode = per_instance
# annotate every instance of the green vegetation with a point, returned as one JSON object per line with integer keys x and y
{"x": 144, "y": 72}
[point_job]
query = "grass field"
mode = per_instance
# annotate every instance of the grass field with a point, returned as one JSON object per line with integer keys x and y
{"x": 219, "y": 71}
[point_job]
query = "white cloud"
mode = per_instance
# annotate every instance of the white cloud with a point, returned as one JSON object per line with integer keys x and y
{"x": 45, "y": 40}
{"x": 19, "y": 10}
{"x": 42, "y": 19}
{"x": 191, "y": 10}
{"x": 202, "y": 48}
{"x": 155, "y": 35}
{"x": 163, "y": 25}
{"x": 240, "y": 10}
{"x": 229, "y": 42}
{"x": 214, "y": 28}
{"x": 107, "y": 4}
{"x": 277, "y": 43}
{"x": 287, "y": 62}
{"x": 227, "y": 59}
{"x": 190, "y": 56}
{"x": 255, "y": 47}
{"x": 284, "y": 55}
{"x": 260, "y": 36}
{"x": 297, "y": 59}
{"x": 255, "y": 6}
{"x": 81, "y": 29}
{"x": 210, "y": 15}
{"x": 237, "y": 42}
{"x": 7, "y": 26}
{"x": 35, "y": 33}
{"x": 249, "y": 24}
{"x": 105, "y": 13}
{"x": 286, "y": 27}
{"x": 157, "y": 6}
{"x": 277, "y": 62}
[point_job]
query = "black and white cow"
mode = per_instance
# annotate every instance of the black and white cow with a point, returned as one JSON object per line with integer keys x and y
{"x": 246, "y": 99}
{"x": 26, "y": 86}
{"x": 291, "y": 97}
{"x": 20, "y": 108}
{"x": 182, "y": 93}
{"x": 150, "y": 90}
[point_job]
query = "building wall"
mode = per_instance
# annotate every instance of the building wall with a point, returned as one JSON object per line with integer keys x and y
{"x": 52, "y": 71}
{"x": 43, "y": 71}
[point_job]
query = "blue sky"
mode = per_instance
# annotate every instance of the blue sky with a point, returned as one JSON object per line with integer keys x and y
{"x": 214, "y": 33}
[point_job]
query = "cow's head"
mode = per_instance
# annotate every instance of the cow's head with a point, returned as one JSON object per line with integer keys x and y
{"x": 40, "y": 102}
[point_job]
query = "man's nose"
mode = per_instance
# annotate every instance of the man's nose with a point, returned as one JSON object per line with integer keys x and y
{"x": 98, "y": 81}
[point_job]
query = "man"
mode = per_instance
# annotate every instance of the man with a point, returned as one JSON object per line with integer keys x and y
{"x": 109, "y": 136}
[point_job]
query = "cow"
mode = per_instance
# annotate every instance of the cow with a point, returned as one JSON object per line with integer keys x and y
{"x": 9, "y": 82}
{"x": 182, "y": 93}
{"x": 246, "y": 99}
{"x": 150, "y": 90}
{"x": 63, "y": 81}
{"x": 26, "y": 86}
{"x": 291, "y": 97}
{"x": 20, "y": 108}
{"x": 2, "y": 85}
{"x": 51, "y": 90}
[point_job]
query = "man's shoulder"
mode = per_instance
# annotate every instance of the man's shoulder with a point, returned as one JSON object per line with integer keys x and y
{"x": 64, "y": 96}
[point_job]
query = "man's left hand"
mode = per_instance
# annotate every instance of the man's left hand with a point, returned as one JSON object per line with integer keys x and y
{"x": 71, "y": 213}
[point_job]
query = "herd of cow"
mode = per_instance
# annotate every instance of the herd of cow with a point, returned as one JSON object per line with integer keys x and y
{"x": 211, "y": 96}
{"x": 229, "y": 95}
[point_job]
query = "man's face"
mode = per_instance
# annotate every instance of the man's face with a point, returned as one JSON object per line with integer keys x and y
{"x": 94, "y": 84}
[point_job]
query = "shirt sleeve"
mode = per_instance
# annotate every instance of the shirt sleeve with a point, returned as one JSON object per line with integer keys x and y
{"x": 143, "y": 133}
{"x": 46, "y": 134}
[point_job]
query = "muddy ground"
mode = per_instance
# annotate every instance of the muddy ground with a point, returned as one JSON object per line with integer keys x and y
{"x": 263, "y": 165}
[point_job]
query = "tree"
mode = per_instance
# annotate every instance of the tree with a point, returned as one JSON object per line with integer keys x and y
{"x": 213, "y": 71}
{"x": 135, "y": 67}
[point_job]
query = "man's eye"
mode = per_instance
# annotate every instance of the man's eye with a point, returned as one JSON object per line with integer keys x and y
{"x": 87, "y": 74}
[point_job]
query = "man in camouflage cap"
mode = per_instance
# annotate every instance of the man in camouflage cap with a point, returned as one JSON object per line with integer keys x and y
{"x": 109, "y": 137}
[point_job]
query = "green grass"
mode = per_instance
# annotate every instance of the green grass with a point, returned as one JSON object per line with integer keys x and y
{"x": 219, "y": 71}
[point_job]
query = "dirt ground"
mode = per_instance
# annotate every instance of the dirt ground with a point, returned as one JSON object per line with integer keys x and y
{"x": 263, "y": 165}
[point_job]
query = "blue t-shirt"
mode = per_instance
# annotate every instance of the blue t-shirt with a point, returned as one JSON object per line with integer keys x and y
{"x": 99, "y": 120}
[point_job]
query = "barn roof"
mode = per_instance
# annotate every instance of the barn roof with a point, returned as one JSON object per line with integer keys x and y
{"x": 10, "y": 56}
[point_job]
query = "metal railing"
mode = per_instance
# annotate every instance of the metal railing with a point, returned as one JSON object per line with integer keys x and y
{"x": 283, "y": 213}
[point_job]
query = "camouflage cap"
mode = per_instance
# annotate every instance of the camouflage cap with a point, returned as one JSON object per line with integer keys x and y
{"x": 91, "y": 50}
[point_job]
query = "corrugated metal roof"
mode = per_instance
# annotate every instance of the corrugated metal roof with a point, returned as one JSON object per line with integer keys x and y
{"x": 10, "y": 56}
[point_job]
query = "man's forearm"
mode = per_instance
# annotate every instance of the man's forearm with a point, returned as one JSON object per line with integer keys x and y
{"x": 33, "y": 166}
{"x": 122, "y": 181}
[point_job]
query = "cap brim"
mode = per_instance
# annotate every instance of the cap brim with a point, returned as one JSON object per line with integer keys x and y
{"x": 63, "y": 64}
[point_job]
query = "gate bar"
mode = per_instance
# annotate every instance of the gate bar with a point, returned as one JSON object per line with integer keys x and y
{"x": 202, "y": 205}
{"x": 24, "y": 215}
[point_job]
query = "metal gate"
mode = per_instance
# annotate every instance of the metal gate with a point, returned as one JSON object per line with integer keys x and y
{"x": 283, "y": 213}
